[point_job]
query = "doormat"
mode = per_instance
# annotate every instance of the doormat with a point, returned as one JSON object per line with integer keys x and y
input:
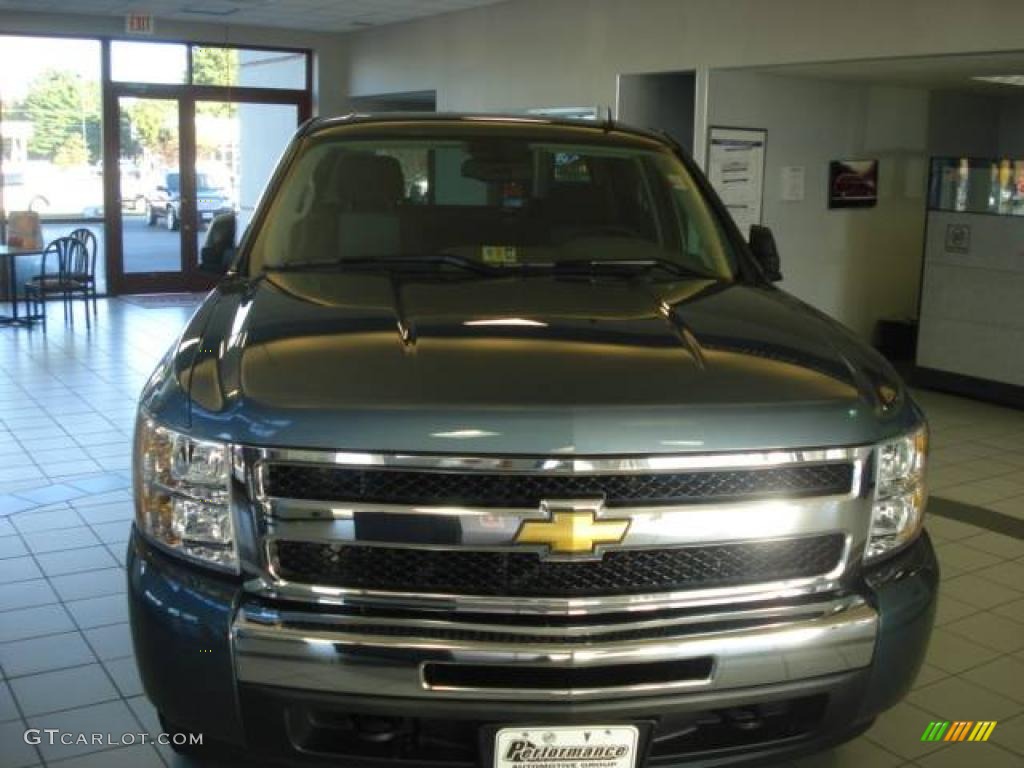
{"x": 163, "y": 300}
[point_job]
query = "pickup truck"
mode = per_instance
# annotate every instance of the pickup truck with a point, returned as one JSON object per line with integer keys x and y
{"x": 498, "y": 445}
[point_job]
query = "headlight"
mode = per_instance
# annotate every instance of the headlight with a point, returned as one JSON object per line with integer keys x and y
{"x": 900, "y": 494}
{"x": 182, "y": 494}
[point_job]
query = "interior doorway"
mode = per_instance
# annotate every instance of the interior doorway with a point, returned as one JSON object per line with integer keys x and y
{"x": 663, "y": 100}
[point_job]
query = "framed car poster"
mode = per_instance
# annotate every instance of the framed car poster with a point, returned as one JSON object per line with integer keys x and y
{"x": 852, "y": 183}
{"x": 736, "y": 170}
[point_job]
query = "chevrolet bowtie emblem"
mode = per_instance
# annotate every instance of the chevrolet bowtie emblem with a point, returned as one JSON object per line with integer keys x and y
{"x": 572, "y": 528}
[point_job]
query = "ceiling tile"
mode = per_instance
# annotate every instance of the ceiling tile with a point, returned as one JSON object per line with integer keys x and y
{"x": 315, "y": 15}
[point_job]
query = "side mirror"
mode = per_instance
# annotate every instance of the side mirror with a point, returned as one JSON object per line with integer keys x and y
{"x": 762, "y": 246}
{"x": 162, "y": 190}
{"x": 218, "y": 249}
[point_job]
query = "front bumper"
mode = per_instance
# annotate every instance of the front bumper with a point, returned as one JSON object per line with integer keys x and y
{"x": 211, "y": 661}
{"x": 292, "y": 650}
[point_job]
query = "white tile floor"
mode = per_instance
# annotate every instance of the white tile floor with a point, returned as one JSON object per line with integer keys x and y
{"x": 67, "y": 401}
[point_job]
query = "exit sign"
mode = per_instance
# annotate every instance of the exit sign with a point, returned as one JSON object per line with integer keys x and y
{"x": 138, "y": 24}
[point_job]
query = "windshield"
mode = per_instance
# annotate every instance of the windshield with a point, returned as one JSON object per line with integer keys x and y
{"x": 497, "y": 202}
{"x": 203, "y": 181}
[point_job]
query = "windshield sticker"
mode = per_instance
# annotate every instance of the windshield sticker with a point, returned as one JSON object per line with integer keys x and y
{"x": 500, "y": 255}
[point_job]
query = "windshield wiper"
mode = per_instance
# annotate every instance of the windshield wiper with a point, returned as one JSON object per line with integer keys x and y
{"x": 396, "y": 261}
{"x": 631, "y": 266}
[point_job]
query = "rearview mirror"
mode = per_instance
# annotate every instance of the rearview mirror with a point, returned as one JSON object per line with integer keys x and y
{"x": 218, "y": 249}
{"x": 762, "y": 246}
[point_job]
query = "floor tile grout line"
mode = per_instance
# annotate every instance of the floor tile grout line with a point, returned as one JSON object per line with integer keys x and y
{"x": 74, "y": 600}
{"x": 60, "y": 760}
{"x": 103, "y": 751}
{"x": 21, "y": 713}
{"x": 960, "y": 676}
{"x": 69, "y": 573}
{"x": 117, "y": 697}
{"x": 82, "y": 634}
{"x": 84, "y": 637}
{"x": 48, "y": 530}
{"x": 882, "y": 747}
{"x": 96, "y": 660}
{"x": 65, "y": 549}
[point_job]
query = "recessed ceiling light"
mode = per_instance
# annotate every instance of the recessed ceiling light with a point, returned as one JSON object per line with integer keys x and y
{"x": 1017, "y": 80}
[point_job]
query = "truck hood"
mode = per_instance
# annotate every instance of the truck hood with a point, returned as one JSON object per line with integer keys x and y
{"x": 532, "y": 364}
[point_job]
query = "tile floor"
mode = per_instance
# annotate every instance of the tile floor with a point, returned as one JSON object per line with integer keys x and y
{"x": 67, "y": 401}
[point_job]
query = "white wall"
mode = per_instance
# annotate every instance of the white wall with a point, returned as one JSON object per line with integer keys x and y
{"x": 550, "y": 53}
{"x": 858, "y": 265}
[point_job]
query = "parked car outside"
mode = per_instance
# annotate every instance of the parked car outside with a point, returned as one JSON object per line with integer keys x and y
{"x": 164, "y": 201}
{"x": 526, "y": 462}
{"x": 133, "y": 187}
{"x": 53, "y": 191}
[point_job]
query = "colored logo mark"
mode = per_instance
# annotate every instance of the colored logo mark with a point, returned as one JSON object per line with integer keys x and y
{"x": 959, "y": 730}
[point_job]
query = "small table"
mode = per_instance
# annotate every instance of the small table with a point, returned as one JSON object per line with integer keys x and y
{"x": 9, "y": 255}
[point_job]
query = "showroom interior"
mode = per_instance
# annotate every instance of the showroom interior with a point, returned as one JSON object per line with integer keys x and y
{"x": 113, "y": 114}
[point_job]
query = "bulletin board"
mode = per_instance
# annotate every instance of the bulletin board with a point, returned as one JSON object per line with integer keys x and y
{"x": 735, "y": 166}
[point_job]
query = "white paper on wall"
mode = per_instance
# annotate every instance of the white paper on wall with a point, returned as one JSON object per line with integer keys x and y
{"x": 794, "y": 182}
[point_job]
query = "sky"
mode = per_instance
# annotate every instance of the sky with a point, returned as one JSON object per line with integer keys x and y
{"x": 24, "y": 58}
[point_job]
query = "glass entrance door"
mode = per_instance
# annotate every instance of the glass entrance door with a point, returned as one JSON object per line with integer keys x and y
{"x": 197, "y": 132}
{"x": 182, "y": 160}
{"x": 152, "y": 193}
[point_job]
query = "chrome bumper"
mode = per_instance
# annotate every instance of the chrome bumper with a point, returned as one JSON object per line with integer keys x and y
{"x": 316, "y": 652}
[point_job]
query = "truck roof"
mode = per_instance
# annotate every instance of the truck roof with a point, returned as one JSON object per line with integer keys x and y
{"x": 611, "y": 128}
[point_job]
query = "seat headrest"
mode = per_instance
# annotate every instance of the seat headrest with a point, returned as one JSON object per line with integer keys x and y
{"x": 363, "y": 181}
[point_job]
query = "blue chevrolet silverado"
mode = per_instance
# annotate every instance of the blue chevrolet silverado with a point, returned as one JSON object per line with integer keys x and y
{"x": 497, "y": 445}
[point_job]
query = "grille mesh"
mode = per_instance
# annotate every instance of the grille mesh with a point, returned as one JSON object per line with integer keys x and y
{"x": 525, "y": 574}
{"x": 384, "y": 486}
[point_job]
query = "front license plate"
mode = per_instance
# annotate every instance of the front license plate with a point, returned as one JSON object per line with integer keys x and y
{"x": 591, "y": 746}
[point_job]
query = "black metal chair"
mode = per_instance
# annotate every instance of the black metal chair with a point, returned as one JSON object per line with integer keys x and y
{"x": 63, "y": 253}
{"x": 83, "y": 275}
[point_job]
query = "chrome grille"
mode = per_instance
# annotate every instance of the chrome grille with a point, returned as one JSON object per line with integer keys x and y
{"x": 738, "y": 557}
{"x": 431, "y": 531}
{"x": 526, "y": 574}
{"x": 492, "y": 489}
